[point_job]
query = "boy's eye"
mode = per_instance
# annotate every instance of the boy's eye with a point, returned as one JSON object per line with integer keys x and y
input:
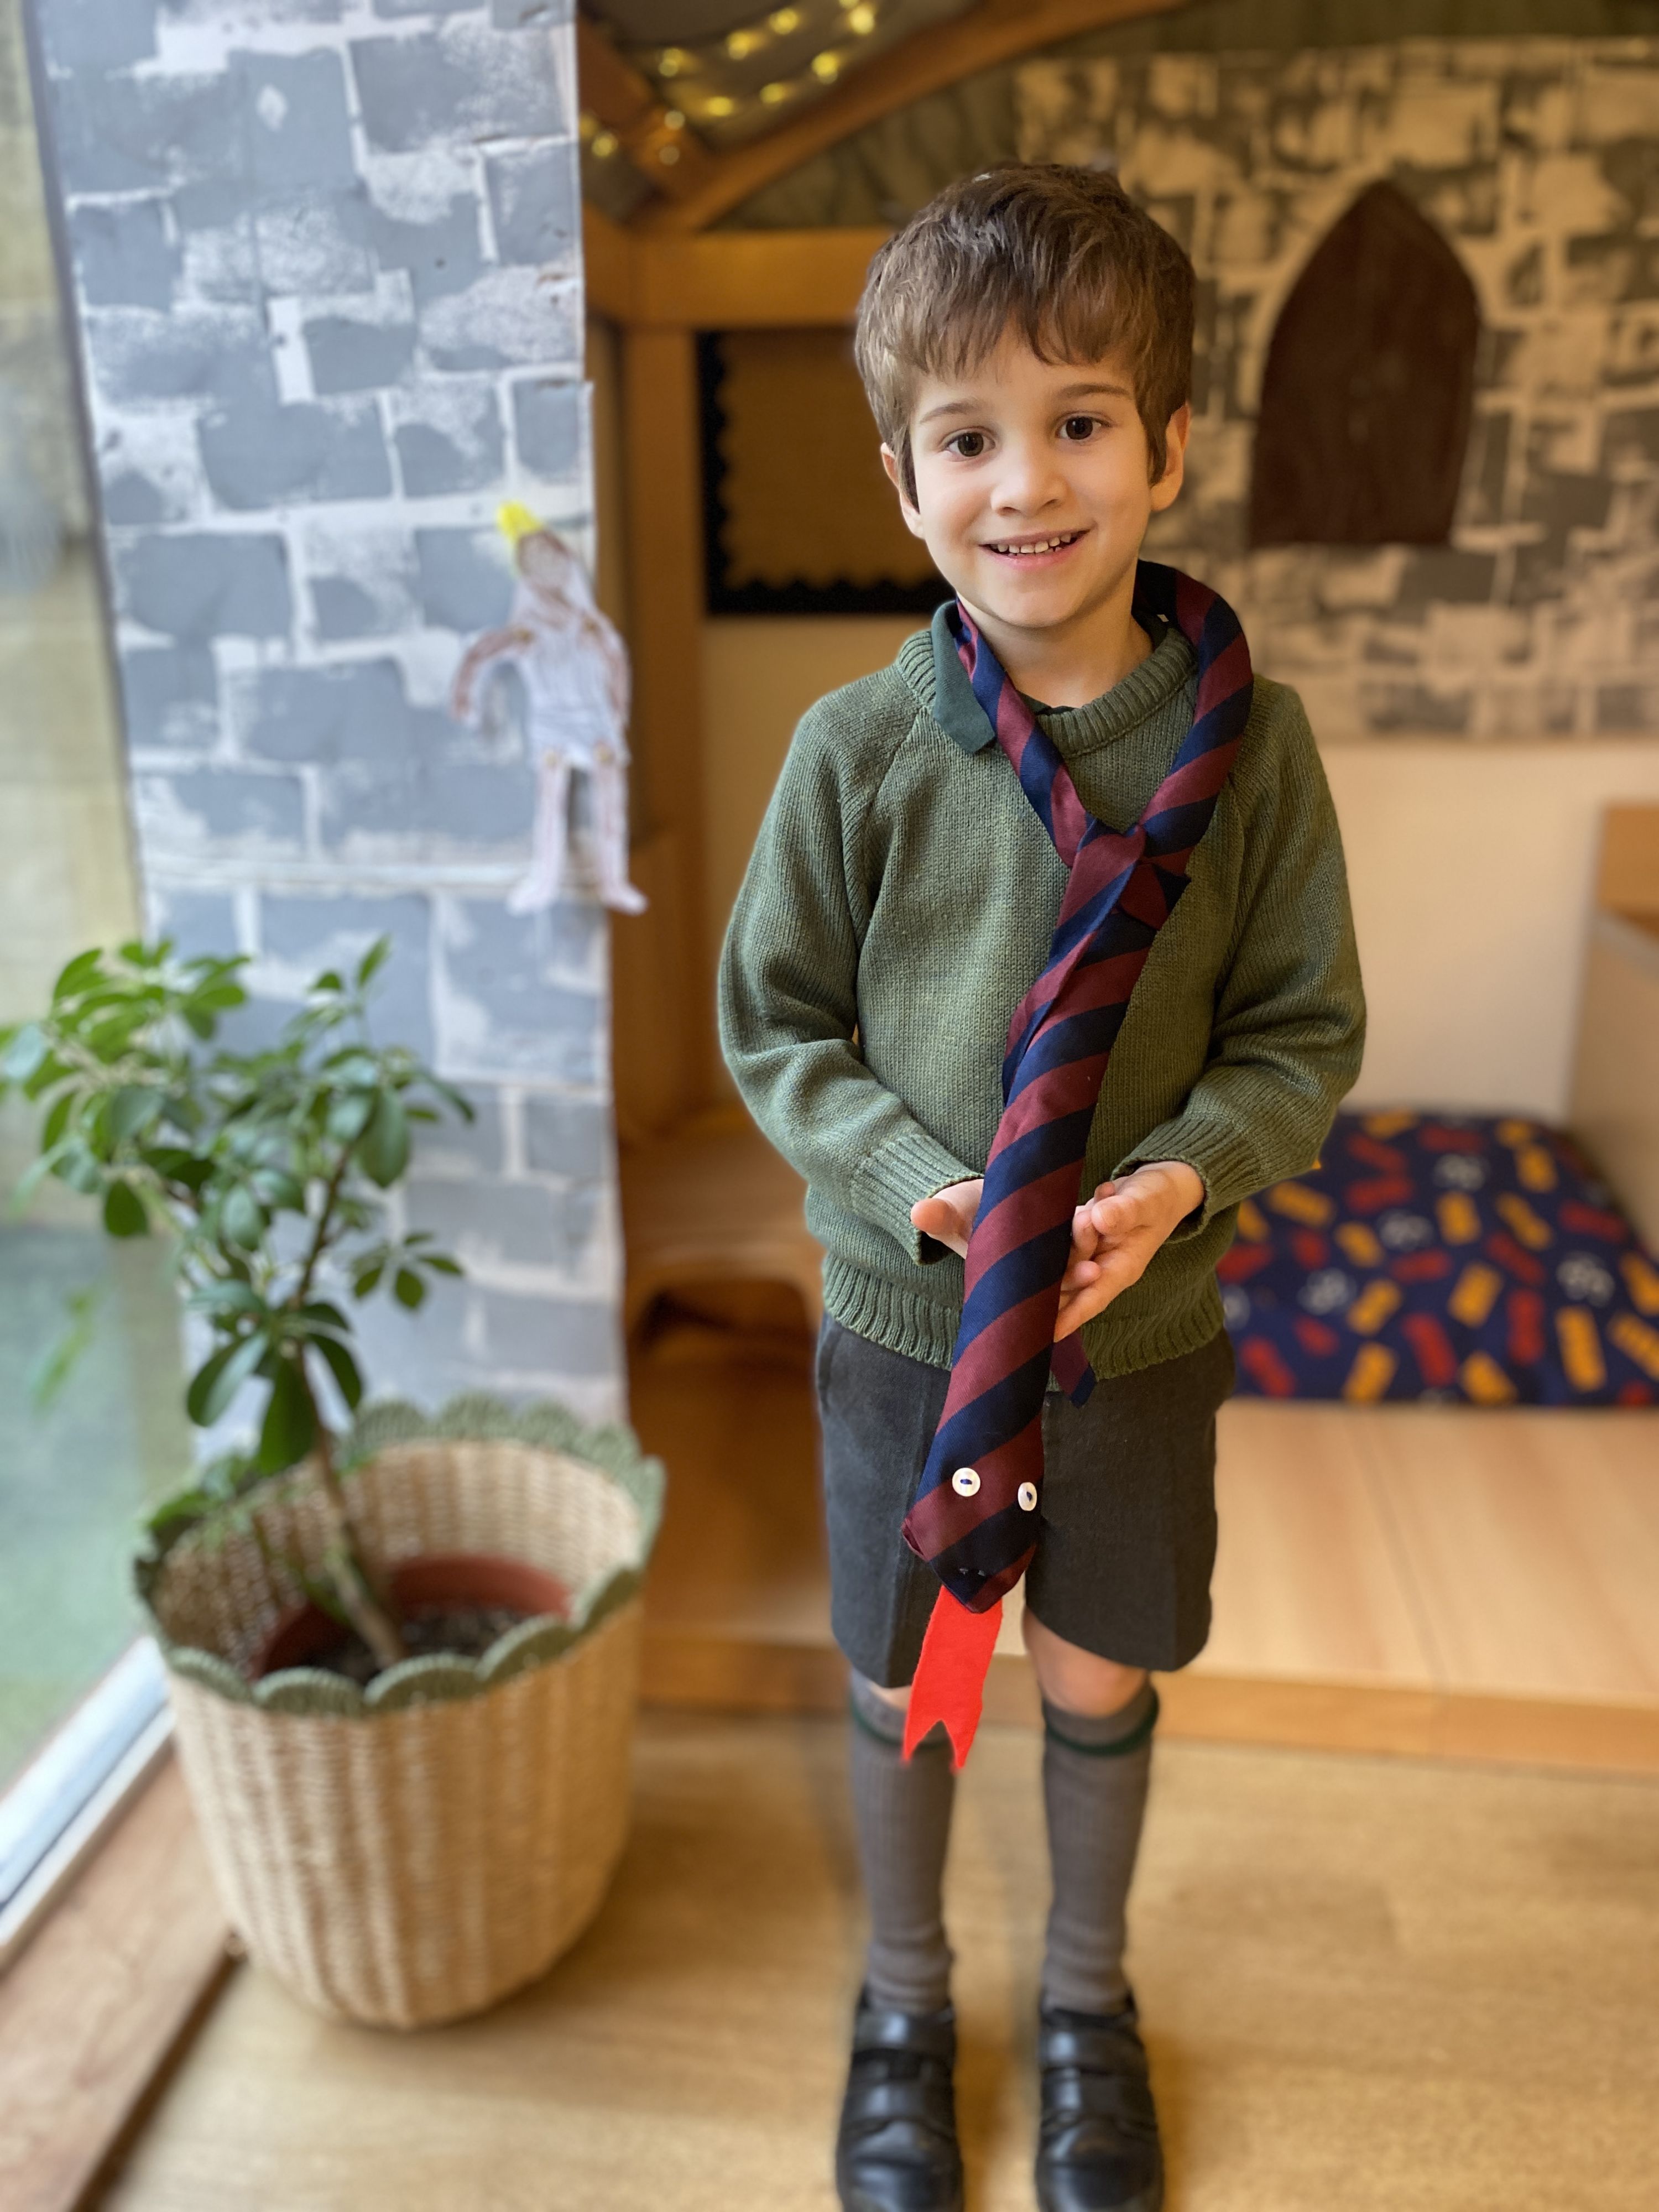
{"x": 969, "y": 444}
{"x": 1077, "y": 428}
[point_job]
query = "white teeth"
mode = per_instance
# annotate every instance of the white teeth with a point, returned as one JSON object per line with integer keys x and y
{"x": 1043, "y": 546}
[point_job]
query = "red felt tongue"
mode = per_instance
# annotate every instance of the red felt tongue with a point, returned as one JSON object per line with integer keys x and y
{"x": 949, "y": 1678}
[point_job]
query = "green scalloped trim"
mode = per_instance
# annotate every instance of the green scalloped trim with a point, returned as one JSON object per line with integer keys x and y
{"x": 309, "y": 1691}
{"x": 435, "y": 1679}
{"x": 207, "y": 1670}
{"x": 475, "y": 1416}
{"x": 532, "y": 1644}
{"x": 603, "y": 1595}
{"x": 611, "y": 1446}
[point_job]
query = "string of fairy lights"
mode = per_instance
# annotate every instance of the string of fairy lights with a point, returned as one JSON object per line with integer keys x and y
{"x": 700, "y": 82}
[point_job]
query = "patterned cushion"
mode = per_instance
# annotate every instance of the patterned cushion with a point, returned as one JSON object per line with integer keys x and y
{"x": 1452, "y": 1257}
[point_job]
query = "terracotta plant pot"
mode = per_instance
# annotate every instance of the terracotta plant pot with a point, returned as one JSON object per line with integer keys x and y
{"x": 438, "y": 1578}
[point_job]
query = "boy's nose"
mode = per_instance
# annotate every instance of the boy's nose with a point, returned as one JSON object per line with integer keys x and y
{"x": 1029, "y": 480}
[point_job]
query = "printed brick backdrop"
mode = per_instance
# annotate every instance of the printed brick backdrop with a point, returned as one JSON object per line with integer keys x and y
{"x": 326, "y": 265}
{"x": 1538, "y": 158}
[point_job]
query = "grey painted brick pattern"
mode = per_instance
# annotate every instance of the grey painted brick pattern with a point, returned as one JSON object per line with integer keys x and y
{"x": 558, "y": 1336}
{"x": 455, "y": 1146}
{"x": 126, "y": 254}
{"x": 171, "y": 695}
{"x": 350, "y": 352}
{"x": 300, "y": 936}
{"x": 313, "y": 374}
{"x": 222, "y": 811}
{"x": 550, "y": 423}
{"x": 1533, "y": 155}
{"x": 357, "y": 710}
{"x": 463, "y": 78}
{"x": 449, "y": 438}
{"x": 199, "y": 923}
{"x": 566, "y": 1135}
{"x": 508, "y": 1005}
{"x": 360, "y": 579}
{"x": 465, "y": 581}
{"x": 256, "y": 455}
{"x": 534, "y": 204}
{"x": 435, "y": 808}
{"x": 439, "y": 254}
{"x": 196, "y": 585}
{"x": 485, "y": 1224}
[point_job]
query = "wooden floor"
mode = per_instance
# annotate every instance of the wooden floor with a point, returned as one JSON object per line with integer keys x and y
{"x": 1370, "y": 1986}
{"x": 109, "y": 1985}
{"x": 1423, "y": 1579}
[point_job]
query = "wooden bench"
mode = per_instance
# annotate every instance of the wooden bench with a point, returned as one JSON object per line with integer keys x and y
{"x": 713, "y": 1203}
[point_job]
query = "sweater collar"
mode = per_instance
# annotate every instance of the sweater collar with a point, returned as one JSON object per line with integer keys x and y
{"x": 949, "y": 697}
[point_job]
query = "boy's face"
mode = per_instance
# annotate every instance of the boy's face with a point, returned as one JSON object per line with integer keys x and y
{"x": 1032, "y": 484}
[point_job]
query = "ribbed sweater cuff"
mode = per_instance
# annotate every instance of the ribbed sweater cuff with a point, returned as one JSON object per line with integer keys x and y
{"x": 909, "y": 1166}
{"x": 1219, "y": 1153}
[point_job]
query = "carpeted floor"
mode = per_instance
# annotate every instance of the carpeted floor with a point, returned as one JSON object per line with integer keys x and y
{"x": 1371, "y": 1986}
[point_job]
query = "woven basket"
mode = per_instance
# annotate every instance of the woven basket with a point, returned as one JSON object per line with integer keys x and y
{"x": 413, "y": 1852}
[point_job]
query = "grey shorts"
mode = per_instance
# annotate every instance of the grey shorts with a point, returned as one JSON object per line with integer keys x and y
{"x": 1125, "y": 1540}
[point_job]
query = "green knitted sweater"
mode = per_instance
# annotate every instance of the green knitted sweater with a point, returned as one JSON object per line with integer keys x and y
{"x": 901, "y": 900}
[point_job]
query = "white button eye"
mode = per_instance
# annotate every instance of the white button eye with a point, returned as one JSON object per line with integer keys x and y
{"x": 964, "y": 1481}
{"x": 1027, "y": 1496}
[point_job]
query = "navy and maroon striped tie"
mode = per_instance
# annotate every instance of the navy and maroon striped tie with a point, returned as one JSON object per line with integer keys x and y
{"x": 974, "y": 1519}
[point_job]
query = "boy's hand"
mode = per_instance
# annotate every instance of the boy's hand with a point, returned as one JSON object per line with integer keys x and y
{"x": 1115, "y": 1233}
{"x": 948, "y": 1215}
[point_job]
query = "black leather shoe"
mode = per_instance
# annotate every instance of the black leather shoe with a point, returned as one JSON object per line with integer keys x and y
{"x": 896, "y": 2148}
{"x": 1098, "y": 2147}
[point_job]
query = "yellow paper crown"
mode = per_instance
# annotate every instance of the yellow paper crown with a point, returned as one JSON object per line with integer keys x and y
{"x": 515, "y": 521}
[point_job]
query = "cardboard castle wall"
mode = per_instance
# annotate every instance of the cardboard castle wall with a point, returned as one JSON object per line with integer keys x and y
{"x": 327, "y": 278}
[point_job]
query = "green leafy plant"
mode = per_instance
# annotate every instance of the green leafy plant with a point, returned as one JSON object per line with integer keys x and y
{"x": 267, "y": 1169}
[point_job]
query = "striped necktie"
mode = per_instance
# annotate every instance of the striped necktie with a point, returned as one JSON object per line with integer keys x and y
{"x": 975, "y": 1517}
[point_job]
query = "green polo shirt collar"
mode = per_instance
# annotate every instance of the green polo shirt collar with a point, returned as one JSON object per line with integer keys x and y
{"x": 955, "y": 708}
{"x": 959, "y": 714}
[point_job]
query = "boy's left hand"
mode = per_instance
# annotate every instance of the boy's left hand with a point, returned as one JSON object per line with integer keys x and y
{"x": 1115, "y": 1233}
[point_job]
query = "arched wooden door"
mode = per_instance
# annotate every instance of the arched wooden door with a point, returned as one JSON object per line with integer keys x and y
{"x": 1369, "y": 381}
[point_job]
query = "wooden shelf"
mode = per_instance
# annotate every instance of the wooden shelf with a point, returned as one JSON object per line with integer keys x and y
{"x": 1427, "y": 1581}
{"x": 713, "y": 1203}
{"x": 1616, "y": 1081}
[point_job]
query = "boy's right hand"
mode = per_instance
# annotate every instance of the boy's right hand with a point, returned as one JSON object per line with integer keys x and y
{"x": 948, "y": 1215}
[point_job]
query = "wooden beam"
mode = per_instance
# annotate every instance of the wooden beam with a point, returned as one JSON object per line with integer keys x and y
{"x": 729, "y": 280}
{"x": 726, "y": 280}
{"x": 927, "y": 61}
{"x": 655, "y": 136}
{"x": 609, "y": 255}
{"x": 661, "y": 447}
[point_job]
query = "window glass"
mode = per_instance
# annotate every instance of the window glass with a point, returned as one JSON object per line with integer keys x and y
{"x": 73, "y": 1481}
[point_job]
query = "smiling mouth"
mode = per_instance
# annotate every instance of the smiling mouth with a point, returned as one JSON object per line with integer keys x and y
{"x": 1023, "y": 549}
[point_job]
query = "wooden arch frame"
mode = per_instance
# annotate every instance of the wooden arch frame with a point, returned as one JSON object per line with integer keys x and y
{"x": 927, "y": 61}
{"x": 662, "y": 279}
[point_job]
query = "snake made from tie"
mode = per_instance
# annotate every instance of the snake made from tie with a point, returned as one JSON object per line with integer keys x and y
{"x": 974, "y": 1519}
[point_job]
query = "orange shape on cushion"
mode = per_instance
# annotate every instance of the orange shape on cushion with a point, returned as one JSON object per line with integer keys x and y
{"x": 950, "y": 1680}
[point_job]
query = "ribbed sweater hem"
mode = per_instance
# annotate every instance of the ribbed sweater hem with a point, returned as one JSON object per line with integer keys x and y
{"x": 903, "y": 1320}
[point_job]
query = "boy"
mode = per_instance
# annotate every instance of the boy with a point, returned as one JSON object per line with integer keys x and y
{"x": 1026, "y": 343}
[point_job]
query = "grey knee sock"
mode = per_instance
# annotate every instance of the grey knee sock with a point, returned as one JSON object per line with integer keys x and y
{"x": 1094, "y": 1788}
{"x": 902, "y": 1814}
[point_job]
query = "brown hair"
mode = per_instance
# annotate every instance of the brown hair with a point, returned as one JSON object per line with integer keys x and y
{"x": 1062, "y": 255}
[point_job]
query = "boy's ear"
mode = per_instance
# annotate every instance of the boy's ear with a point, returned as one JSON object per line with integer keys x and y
{"x": 912, "y": 520}
{"x": 1165, "y": 491}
